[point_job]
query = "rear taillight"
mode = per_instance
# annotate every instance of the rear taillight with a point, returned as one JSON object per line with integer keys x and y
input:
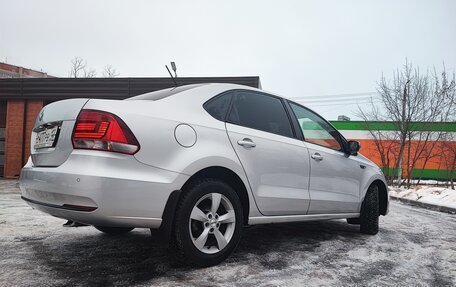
{"x": 100, "y": 130}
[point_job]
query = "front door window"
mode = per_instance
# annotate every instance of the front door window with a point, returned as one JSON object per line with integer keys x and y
{"x": 315, "y": 129}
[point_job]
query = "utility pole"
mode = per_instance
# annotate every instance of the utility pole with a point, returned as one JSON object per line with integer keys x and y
{"x": 403, "y": 132}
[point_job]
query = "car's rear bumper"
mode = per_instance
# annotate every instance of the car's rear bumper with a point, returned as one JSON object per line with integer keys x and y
{"x": 101, "y": 188}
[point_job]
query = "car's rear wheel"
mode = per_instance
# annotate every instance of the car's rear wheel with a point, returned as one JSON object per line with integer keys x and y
{"x": 370, "y": 212}
{"x": 208, "y": 223}
{"x": 114, "y": 230}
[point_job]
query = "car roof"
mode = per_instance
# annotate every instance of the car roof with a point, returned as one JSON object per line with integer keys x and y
{"x": 160, "y": 94}
{"x": 219, "y": 87}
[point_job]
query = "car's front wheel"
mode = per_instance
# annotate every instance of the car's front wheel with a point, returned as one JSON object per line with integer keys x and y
{"x": 370, "y": 212}
{"x": 208, "y": 223}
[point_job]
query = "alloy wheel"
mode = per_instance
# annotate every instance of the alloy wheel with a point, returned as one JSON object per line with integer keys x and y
{"x": 212, "y": 223}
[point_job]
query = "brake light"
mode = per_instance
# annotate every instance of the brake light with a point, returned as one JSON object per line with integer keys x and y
{"x": 100, "y": 130}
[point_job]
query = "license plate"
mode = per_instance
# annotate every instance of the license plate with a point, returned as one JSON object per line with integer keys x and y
{"x": 46, "y": 138}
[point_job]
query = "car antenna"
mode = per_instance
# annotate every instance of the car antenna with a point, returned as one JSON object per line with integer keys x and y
{"x": 173, "y": 66}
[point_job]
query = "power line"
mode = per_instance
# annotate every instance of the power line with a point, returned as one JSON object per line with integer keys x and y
{"x": 335, "y": 100}
{"x": 340, "y": 104}
{"x": 338, "y": 95}
{"x": 344, "y": 104}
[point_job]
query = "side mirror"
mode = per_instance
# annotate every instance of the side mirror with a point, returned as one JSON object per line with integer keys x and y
{"x": 353, "y": 147}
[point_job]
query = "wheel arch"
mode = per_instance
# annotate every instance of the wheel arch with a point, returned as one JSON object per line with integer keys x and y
{"x": 231, "y": 178}
{"x": 217, "y": 172}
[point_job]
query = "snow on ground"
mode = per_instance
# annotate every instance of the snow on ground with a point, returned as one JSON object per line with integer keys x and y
{"x": 439, "y": 196}
{"x": 432, "y": 182}
{"x": 415, "y": 247}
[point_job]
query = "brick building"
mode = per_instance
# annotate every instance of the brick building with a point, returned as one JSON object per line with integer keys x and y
{"x": 8, "y": 71}
{"x": 434, "y": 158}
{"x": 12, "y": 71}
{"x": 22, "y": 98}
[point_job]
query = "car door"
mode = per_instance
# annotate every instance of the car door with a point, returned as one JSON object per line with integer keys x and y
{"x": 335, "y": 178}
{"x": 275, "y": 162}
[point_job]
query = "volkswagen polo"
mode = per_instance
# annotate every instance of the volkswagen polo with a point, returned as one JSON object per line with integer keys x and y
{"x": 199, "y": 163}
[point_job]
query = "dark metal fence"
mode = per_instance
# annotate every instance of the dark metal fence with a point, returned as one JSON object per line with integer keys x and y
{"x": 50, "y": 89}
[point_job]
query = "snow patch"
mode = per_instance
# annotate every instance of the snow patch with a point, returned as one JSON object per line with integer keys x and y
{"x": 439, "y": 196}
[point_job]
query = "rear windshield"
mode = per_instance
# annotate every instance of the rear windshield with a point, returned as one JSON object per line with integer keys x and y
{"x": 158, "y": 95}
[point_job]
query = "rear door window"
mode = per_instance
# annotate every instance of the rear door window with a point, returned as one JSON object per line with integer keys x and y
{"x": 260, "y": 112}
{"x": 219, "y": 105}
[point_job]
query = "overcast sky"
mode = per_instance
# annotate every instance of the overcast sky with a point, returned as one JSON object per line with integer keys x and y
{"x": 298, "y": 48}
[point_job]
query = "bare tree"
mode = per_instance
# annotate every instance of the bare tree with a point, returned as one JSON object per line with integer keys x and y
{"x": 78, "y": 66}
{"x": 385, "y": 142}
{"x": 109, "y": 72}
{"x": 438, "y": 108}
{"x": 414, "y": 102}
{"x": 79, "y": 69}
{"x": 90, "y": 73}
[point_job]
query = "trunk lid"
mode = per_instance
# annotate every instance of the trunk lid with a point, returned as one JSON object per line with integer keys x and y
{"x": 50, "y": 143}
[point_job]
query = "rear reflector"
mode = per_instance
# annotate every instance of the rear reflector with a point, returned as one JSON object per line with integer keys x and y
{"x": 79, "y": 207}
{"x": 101, "y": 130}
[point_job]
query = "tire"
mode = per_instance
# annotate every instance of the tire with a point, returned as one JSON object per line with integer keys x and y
{"x": 204, "y": 234}
{"x": 114, "y": 230}
{"x": 353, "y": 220}
{"x": 370, "y": 212}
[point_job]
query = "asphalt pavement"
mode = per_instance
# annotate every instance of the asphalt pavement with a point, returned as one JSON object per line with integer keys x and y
{"x": 415, "y": 247}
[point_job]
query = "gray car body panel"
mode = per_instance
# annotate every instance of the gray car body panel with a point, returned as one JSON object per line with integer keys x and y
{"x": 278, "y": 170}
{"x": 64, "y": 114}
{"x": 133, "y": 190}
{"x": 125, "y": 191}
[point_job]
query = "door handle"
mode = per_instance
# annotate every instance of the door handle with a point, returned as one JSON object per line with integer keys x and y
{"x": 316, "y": 156}
{"x": 247, "y": 143}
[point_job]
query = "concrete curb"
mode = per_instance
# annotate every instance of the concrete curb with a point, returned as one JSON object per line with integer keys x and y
{"x": 425, "y": 205}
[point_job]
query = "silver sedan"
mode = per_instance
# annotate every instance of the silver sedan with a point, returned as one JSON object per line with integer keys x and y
{"x": 198, "y": 162}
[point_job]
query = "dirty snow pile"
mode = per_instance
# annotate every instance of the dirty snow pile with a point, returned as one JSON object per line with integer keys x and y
{"x": 439, "y": 196}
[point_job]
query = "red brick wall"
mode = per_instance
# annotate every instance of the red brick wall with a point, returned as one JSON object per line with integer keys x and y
{"x": 16, "y": 71}
{"x": 33, "y": 108}
{"x": 15, "y": 154}
{"x": 13, "y": 138}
